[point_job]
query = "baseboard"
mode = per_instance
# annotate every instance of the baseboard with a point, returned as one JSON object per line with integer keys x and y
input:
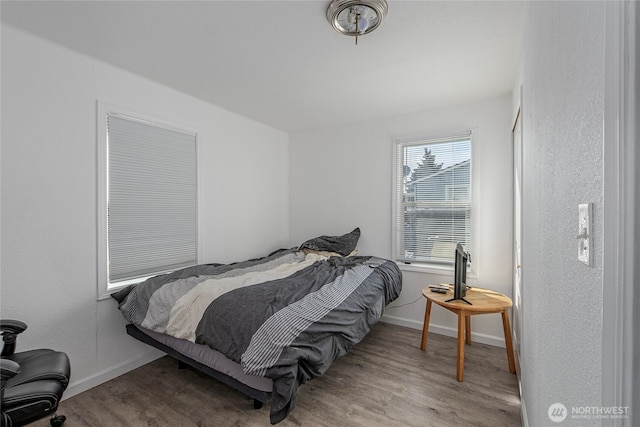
{"x": 401, "y": 321}
{"x": 77, "y": 387}
{"x": 445, "y": 330}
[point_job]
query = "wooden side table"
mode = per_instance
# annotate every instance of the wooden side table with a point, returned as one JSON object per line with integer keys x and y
{"x": 483, "y": 301}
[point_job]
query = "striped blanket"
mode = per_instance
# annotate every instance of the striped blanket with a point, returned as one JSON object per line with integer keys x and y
{"x": 286, "y": 316}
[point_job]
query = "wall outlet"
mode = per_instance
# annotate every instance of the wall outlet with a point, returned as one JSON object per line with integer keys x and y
{"x": 584, "y": 232}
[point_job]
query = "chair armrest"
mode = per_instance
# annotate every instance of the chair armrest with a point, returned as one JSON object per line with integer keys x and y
{"x": 8, "y": 369}
{"x": 10, "y": 330}
{"x": 12, "y": 326}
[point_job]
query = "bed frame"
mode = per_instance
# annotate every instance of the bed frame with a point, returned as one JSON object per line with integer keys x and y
{"x": 259, "y": 397}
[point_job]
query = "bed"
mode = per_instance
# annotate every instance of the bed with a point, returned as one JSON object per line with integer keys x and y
{"x": 265, "y": 326}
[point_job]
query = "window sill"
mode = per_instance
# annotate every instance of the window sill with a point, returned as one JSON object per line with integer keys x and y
{"x": 441, "y": 270}
{"x": 444, "y": 270}
{"x": 118, "y": 286}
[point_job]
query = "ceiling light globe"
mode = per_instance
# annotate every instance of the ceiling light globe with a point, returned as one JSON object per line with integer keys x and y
{"x": 363, "y": 25}
{"x": 341, "y": 14}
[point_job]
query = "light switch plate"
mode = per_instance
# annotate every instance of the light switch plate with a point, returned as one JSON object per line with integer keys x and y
{"x": 585, "y": 218}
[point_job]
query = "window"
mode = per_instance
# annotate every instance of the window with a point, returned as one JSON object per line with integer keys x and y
{"x": 432, "y": 199}
{"x": 147, "y": 199}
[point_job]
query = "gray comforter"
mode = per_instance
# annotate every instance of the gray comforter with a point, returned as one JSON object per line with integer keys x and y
{"x": 286, "y": 316}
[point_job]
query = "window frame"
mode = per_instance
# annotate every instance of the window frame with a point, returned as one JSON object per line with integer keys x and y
{"x": 397, "y": 197}
{"x": 103, "y": 110}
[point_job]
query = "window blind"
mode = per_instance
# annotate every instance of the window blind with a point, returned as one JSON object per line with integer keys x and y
{"x": 433, "y": 199}
{"x": 152, "y": 198}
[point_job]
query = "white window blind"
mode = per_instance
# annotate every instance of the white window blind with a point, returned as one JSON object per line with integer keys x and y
{"x": 151, "y": 198}
{"x": 432, "y": 199}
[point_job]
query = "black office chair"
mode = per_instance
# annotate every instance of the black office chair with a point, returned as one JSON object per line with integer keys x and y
{"x": 32, "y": 381}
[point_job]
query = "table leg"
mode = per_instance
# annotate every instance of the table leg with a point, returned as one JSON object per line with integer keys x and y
{"x": 425, "y": 326}
{"x": 508, "y": 342}
{"x": 467, "y": 328}
{"x": 461, "y": 334}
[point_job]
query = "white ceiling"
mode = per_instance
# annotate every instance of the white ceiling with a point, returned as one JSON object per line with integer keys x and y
{"x": 282, "y": 64}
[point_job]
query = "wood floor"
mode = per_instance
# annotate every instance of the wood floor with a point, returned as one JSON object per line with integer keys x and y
{"x": 385, "y": 381}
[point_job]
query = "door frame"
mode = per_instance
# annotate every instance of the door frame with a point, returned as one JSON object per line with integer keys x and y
{"x": 517, "y": 235}
{"x": 621, "y": 195}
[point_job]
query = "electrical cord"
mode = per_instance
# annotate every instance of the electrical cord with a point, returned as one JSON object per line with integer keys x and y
{"x": 402, "y": 305}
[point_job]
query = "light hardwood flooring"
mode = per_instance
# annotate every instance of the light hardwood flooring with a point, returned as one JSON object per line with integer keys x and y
{"x": 385, "y": 381}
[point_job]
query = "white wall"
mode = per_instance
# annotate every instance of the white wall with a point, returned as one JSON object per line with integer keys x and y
{"x": 563, "y": 101}
{"x": 342, "y": 178}
{"x": 49, "y": 196}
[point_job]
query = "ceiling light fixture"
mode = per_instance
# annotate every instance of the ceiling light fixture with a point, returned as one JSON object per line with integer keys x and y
{"x": 356, "y": 17}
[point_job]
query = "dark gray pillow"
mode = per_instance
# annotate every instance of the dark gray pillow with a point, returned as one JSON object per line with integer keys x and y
{"x": 343, "y": 245}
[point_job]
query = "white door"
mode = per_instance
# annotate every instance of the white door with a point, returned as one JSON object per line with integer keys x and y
{"x": 517, "y": 234}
